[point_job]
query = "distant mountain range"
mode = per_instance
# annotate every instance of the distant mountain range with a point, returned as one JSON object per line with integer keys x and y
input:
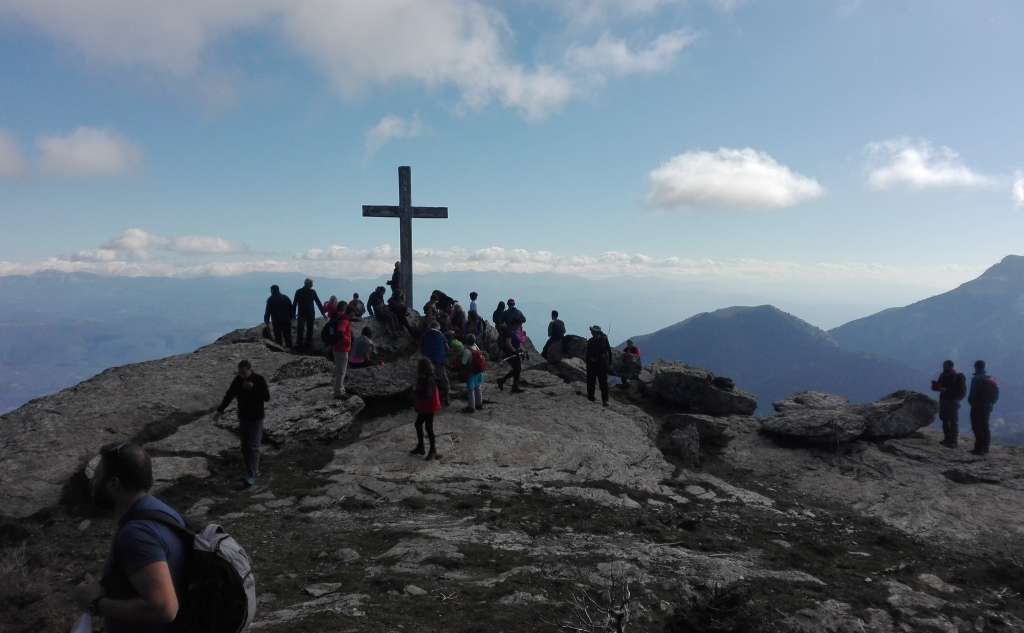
{"x": 774, "y": 354}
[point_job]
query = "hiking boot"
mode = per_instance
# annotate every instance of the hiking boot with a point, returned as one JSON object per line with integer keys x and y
{"x": 948, "y": 443}
{"x": 604, "y": 404}
{"x": 977, "y": 452}
{"x": 432, "y": 454}
{"x": 469, "y": 410}
{"x": 517, "y": 390}
{"x": 501, "y": 384}
{"x": 480, "y": 407}
{"x": 592, "y": 398}
{"x": 417, "y": 451}
{"x": 249, "y": 481}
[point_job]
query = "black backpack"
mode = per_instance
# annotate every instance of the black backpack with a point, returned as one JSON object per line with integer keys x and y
{"x": 329, "y": 333}
{"x": 961, "y": 387}
{"x": 988, "y": 391}
{"x": 220, "y": 589}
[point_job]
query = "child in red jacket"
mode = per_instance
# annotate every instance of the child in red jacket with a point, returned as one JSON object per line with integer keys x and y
{"x": 428, "y": 402}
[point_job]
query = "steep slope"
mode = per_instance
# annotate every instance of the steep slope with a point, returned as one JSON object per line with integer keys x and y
{"x": 774, "y": 354}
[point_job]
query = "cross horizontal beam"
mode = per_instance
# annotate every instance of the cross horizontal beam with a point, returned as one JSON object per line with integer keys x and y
{"x": 379, "y": 211}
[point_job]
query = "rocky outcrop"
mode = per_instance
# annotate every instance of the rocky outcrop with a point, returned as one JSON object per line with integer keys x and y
{"x": 713, "y": 431}
{"x": 826, "y": 419}
{"x": 574, "y": 346}
{"x": 696, "y": 390}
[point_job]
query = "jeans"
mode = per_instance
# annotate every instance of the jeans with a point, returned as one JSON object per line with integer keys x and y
{"x": 979, "y": 424}
{"x": 340, "y": 371}
{"x": 251, "y": 434}
{"x": 283, "y": 331}
{"x": 949, "y": 413}
{"x": 475, "y": 397}
{"x": 598, "y": 375}
{"x": 305, "y": 325}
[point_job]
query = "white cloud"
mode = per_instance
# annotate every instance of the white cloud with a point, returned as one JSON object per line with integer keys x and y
{"x": 460, "y": 44}
{"x": 585, "y": 12}
{"x": 136, "y": 243}
{"x": 96, "y": 255}
{"x": 728, "y": 178}
{"x": 391, "y": 128}
{"x": 87, "y": 151}
{"x": 12, "y": 163}
{"x": 1018, "y": 189}
{"x": 203, "y": 244}
{"x": 917, "y": 164}
{"x": 613, "y": 55}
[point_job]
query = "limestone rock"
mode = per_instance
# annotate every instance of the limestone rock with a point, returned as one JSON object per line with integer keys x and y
{"x": 832, "y": 616}
{"x": 693, "y": 390}
{"x": 686, "y": 444}
{"x": 394, "y": 379}
{"x": 898, "y": 415}
{"x": 810, "y": 400}
{"x": 713, "y": 430}
{"x": 571, "y": 369}
{"x": 820, "y": 427}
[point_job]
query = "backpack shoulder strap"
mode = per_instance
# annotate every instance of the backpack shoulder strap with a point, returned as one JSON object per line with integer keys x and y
{"x": 185, "y": 531}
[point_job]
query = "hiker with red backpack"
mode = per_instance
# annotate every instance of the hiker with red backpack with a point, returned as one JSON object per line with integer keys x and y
{"x": 952, "y": 388}
{"x": 983, "y": 397}
{"x": 427, "y": 402}
{"x": 474, "y": 364}
{"x": 160, "y": 575}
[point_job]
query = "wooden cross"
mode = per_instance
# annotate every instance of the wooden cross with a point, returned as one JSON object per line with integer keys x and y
{"x": 405, "y": 212}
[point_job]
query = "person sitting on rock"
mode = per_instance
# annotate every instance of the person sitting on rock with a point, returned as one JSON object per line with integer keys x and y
{"x": 512, "y": 347}
{"x": 331, "y": 307}
{"x": 952, "y": 387}
{"x": 363, "y": 350}
{"x": 400, "y": 312}
{"x": 982, "y": 398}
{"x": 251, "y": 391}
{"x": 599, "y": 361}
{"x": 427, "y": 404}
{"x": 279, "y": 313}
{"x": 375, "y": 301}
{"x": 474, "y": 364}
{"x": 556, "y": 335}
{"x": 434, "y": 346}
{"x": 356, "y": 308}
{"x": 148, "y": 559}
{"x": 633, "y": 352}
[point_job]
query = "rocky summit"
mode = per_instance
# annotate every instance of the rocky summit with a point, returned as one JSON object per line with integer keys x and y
{"x": 673, "y": 509}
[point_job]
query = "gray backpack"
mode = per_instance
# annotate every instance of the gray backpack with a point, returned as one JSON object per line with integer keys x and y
{"x": 220, "y": 587}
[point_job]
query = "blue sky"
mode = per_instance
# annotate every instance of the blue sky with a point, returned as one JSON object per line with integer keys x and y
{"x": 818, "y": 146}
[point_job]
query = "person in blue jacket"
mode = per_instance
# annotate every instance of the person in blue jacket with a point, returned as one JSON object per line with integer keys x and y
{"x": 434, "y": 346}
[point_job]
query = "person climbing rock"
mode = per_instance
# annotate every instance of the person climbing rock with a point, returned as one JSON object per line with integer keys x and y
{"x": 952, "y": 387}
{"x": 434, "y": 346}
{"x": 342, "y": 345}
{"x": 427, "y": 404}
{"x": 599, "y": 360}
{"x": 375, "y": 302}
{"x": 556, "y": 335}
{"x": 279, "y": 314}
{"x": 147, "y": 559}
{"x": 474, "y": 364}
{"x": 303, "y": 306}
{"x": 363, "y": 350}
{"x": 512, "y": 347}
{"x": 983, "y": 397}
{"x": 251, "y": 391}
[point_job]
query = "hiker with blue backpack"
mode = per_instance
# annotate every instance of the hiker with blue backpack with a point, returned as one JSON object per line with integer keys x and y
{"x": 251, "y": 391}
{"x": 474, "y": 364}
{"x": 982, "y": 398}
{"x": 160, "y": 575}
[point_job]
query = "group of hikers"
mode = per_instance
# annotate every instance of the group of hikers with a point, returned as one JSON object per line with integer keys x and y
{"x": 981, "y": 396}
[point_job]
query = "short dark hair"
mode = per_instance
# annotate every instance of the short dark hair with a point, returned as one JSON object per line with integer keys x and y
{"x": 554, "y": 314}
{"x": 355, "y": 295}
{"x": 979, "y": 365}
{"x": 275, "y": 288}
{"x": 947, "y": 363}
{"x": 244, "y": 364}
{"x": 130, "y": 463}
{"x": 473, "y": 296}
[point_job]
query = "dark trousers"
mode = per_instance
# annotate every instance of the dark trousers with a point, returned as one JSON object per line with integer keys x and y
{"x": 949, "y": 413}
{"x": 283, "y": 332}
{"x": 251, "y": 434}
{"x": 428, "y": 420}
{"x": 516, "y": 363}
{"x": 979, "y": 424}
{"x": 597, "y": 376}
{"x": 305, "y": 325}
{"x": 554, "y": 340}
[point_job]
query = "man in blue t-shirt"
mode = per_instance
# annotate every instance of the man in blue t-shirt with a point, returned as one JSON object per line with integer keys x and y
{"x": 146, "y": 564}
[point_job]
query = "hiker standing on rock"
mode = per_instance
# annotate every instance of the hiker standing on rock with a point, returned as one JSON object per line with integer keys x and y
{"x": 338, "y": 334}
{"x": 983, "y": 397}
{"x": 396, "y": 279}
{"x": 556, "y": 334}
{"x": 305, "y": 299}
{"x": 498, "y": 318}
{"x": 427, "y": 403}
{"x": 434, "y": 346}
{"x": 512, "y": 347}
{"x": 251, "y": 391}
{"x": 599, "y": 360}
{"x": 474, "y": 364}
{"x": 279, "y": 313}
{"x": 952, "y": 387}
{"x": 472, "y": 304}
{"x": 147, "y": 559}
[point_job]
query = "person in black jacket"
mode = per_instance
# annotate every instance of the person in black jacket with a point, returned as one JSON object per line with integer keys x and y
{"x": 305, "y": 298}
{"x": 396, "y": 279}
{"x": 251, "y": 391}
{"x": 375, "y": 302}
{"x": 279, "y": 312}
{"x": 952, "y": 387}
{"x": 556, "y": 334}
{"x": 599, "y": 360}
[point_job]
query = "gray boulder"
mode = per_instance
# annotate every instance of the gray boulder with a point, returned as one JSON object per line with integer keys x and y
{"x": 715, "y": 431}
{"x": 686, "y": 444}
{"x": 897, "y": 415}
{"x": 694, "y": 390}
{"x": 810, "y": 400}
{"x": 820, "y": 427}
{"x": 571, "y": 369}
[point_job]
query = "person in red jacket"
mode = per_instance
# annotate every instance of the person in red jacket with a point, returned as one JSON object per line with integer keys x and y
{"x": 342, "y": 347}
{"x": 427, "y": 403}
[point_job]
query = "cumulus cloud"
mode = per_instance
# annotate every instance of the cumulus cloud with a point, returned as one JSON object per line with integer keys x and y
{"x": 135, "y": 243}
{"x": 728, "y": 178}
{"x": 586, "y": 12}
{"x": 1018, "y": 189}
{"x": 392, "y": 128}
{"x": 917, "y": 164}
{"x": 12, "y": 163}
{"x": 87, "y": 151}
{"x": 462, "y": 44}
{"x": 613, "y": 55}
